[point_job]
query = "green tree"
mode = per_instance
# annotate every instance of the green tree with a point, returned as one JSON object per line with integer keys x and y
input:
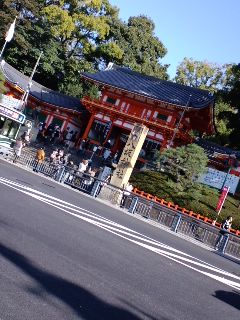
{"x": 224, "y": 114}
{"x": 70, "y": 33}
{"x": 22, "y": 50}
{"x": 183, "y": 166}
{"x": 77, "y": 36}
{"x": 233, "y": 97}
{"x": 142, "y": 50}
{"x": 231, "y": 90}
{"x": 200, "y": 74}
{"x": 2, "y": 80}
{"x": 227, "y": 108}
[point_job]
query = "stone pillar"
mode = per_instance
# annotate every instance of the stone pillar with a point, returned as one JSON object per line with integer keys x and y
{"x": 125, "y": 165}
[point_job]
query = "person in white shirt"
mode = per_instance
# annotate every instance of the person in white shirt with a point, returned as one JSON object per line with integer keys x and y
{"x": 83, "y": 165}
{"x": 18, "y": 149}
{"x": 127, "y": 191}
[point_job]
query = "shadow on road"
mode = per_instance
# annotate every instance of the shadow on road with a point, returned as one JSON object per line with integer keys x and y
{"x": 230, "y": 297}
{"x": 140, "y": 311}
{"x": 69, "y": 293}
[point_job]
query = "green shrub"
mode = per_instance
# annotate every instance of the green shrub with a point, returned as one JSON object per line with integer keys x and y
{"x": 203, "y": 202}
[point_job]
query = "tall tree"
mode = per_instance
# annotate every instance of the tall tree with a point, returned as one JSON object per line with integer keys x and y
{"x": 200, "y": 74}
{"x": 231, "y": 90}
{"x": 23, "y": 50}
{"x": 230, "y": 95}
{"x": 68, "y": 32}
{"x": 142, "y": 50}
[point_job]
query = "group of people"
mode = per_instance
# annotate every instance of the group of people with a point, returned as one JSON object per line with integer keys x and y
{"x": 59, "y": 156}
{"x": 53, "y": 135}
{"x": 83, "y": 173}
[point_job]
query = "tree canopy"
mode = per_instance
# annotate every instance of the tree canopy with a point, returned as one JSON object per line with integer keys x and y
{"x": 142, "y": 50}
{"x": 183, "y": 165}
{"x": 224, "y": 82}
{"x": 77, "y": 36}
{"x": 200, "y": 74}
{"x": 177, "y": 176}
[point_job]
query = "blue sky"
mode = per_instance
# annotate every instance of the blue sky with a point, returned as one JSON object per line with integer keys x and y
{"x": 205, "y": 30}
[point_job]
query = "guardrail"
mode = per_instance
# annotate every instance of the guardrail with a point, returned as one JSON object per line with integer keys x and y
{"x": 183, "y": 223}
{"x": 176, "y": 207}
{"x": 173, "y": 217}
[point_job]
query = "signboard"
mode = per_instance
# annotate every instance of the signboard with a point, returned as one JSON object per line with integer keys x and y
{"x": 12, "y": 114}
{"x": 222, "y": 199}
{"x": 215, "y": 178}
{"x": 10, "y": 102}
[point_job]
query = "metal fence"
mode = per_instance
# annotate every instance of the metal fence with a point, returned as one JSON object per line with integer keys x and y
{"x": 170, "y": 218}
{"x": 184, "y": 224}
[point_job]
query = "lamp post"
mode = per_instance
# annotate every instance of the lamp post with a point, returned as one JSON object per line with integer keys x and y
{"x": 29, "y": 85}
{"x": 179, "y": 122}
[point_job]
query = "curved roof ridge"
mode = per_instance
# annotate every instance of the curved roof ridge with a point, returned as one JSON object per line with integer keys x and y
{"x": 152, "y": 87}
{"x": 156, "y": 79}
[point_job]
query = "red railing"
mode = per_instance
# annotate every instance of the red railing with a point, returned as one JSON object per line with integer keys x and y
{"x": 176, "y": 207}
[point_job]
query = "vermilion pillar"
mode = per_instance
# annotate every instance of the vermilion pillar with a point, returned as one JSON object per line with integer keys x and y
{"x": 90, "y": 122}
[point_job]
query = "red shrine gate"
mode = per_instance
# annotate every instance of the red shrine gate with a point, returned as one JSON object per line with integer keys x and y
{"x": 170, "y": 111}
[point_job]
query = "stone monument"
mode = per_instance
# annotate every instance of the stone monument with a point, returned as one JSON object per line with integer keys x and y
{"x": 125, "y": 165}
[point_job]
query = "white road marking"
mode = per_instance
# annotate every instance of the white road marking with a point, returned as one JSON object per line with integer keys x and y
{"x": 129, "y": 235}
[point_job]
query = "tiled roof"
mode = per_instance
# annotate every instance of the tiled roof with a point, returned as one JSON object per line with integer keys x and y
{"x": 211, "y": 148}
{"x": 151, "y": 87}
{"x": 40, "y": 92}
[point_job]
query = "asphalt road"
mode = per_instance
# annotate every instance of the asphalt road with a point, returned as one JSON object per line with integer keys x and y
{"x": 64, "y": 255}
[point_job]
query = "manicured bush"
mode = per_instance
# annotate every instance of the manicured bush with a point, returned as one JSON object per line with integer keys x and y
{"x": 203, "y": 202}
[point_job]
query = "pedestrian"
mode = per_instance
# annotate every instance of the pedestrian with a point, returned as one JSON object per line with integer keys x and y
{"x": 18, "y": 149}
{"x": 41, "y": 129}
{"x": 87, "y": 144}
{"x": 83, "y": 166}
{"x": 69, "y": 172}
{"x": 90, "y": 176}
{"x": 73, "y": 140}
{"x": 225, "y": 228}
{"x": 53, "y": 156}
{"x": 106, "y": 154}
{"x": 26, "y": 137}
{"x": 81, "y": 148}
{"x": 56, "y": 135}
{"x": 40, "y": 157}
{"x": 127, "y": 191}
{"x": 67, "y": 141}
{"x": 103, "y": 183}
